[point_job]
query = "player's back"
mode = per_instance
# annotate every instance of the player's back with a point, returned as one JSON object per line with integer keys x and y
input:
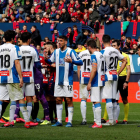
{"x": 29, "y": 57}
{"x": 86, "y": 67}
{"x": 8, "y": 54}
{"x": 111, "y": 56}
{"x": 98, "y": 59}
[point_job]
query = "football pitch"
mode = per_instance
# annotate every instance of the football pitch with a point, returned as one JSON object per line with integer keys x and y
{"x": 78, "y": 132}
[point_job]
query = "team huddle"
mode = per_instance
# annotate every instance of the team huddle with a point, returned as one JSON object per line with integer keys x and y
{"x": 21, "y": 71}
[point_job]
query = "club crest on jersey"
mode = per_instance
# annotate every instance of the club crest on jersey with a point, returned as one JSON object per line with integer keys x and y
{"x": 61, "y": 62}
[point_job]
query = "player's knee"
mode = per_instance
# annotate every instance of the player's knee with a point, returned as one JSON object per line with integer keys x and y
{"x": 125, "y": 101}
{"x": 29, "y": 99}
{"x": 69, "y": 101}
{"x": 58, "y": 101}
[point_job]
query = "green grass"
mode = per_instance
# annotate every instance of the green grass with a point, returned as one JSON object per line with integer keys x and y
{"x": 77, "y": 132}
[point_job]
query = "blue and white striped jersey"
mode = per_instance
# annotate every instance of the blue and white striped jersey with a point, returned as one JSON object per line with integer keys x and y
{"x": 99, "y": 79}
{"x": 111, "y": 56}
{"x": 64, "y": 70}
{"x": 8, "y": 54}
{"x": 86, "y": 67}
{"x": 29, "y": 57}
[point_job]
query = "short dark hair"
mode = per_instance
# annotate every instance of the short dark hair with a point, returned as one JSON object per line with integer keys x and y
{"x": 74, "y": 26}
{"x": 138, "y": 47}
{"x": 33, "y": 42}
{"x": 127, "y": 44}
{"x": 25, "y": 36}
{"x": 106, "y": 39}
{"x": 34, "y": 26}
{"x": 91, "y": 43}
{"x": 9, "y": 35}
{"x": 129, "y": 38}
{"x": 116, "y": 41}
{"x": 63, "y": 37}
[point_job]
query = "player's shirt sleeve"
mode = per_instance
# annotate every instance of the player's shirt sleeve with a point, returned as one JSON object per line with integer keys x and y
{"x": 128, "y": 60}
{"x": 93, "y": 61}
{"x": 36, "y": 56}
{"x": 120, "y": 56}
{"x": 52, "y": 58}
{"x": 75, "y": 58}
{"x": 17, "y": 54}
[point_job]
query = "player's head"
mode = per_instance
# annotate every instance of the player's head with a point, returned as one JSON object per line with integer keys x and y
{"x": 9, "y": 36}
{"x": 139, "y": 50}
{"x": 116, "y": 44}
{"x": 91, "y": 45}
{"x": 62, "y": 41}
{"x": 49, "y": 47}
{"x": 106, "y": 40}
{"x": 26, "y": 37}
{"x": 19, "y": 41}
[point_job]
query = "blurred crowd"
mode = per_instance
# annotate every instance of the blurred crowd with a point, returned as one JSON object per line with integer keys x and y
{"x": 75, "y": 39}
{"x": 89, "y": 12}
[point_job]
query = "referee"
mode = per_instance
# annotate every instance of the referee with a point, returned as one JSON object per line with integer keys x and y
{"x": 122, "y": 86}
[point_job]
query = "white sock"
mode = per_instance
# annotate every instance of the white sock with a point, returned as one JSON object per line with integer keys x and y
{"x": 93, "y": 108}
{"x": 70, "y": 114}
{"x": 83, "y": 109}
{"x": 109, "y": 107}
{"x": 114, "y": 110}
{"x": 118, "y": 111}
{"x": 23, "y": 110}
{"x": 12, "y": 110}
{"x": 59, "y": 108}
{"x": 1, "y": 102}
{"x": 29, "y": 109}
{"x": 98, "y": 113}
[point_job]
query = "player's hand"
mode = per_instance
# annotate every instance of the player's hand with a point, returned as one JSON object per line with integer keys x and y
{"x": 21, "y": 83}
{"x": 45, "y": 55}
{"x": 89, "y": 86}
{"x": 125, "y": 85}
{"x": 68, "y": 59}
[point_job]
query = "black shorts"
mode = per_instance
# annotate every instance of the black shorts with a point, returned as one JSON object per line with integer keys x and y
{"x": 121, "y": 81}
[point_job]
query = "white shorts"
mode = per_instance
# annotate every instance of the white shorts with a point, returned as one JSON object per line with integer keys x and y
{"x": 96, "y": 94}
{"x": 83, "y": 91}
{"x": 63, "y": 90}
{"x": 12, "y": 91}
{"x": 28, "y": 89}
{"x": 118, "y": 95}
{"x": 110, "y": 90}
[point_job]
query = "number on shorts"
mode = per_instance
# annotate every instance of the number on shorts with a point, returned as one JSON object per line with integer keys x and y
{"x": 5, "y": 61}
{"x": 69, "y": 88}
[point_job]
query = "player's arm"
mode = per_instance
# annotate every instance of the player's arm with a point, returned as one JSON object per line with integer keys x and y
{"x": 128, "y": 73}
{"x": 18, "y": 68}
{"x": 52, "y": 58}
{"x": 92, "y": 75}
{"x": 74, "y": 59}
{"x": 78, "y": 72}
{"x": 38, "y": 65}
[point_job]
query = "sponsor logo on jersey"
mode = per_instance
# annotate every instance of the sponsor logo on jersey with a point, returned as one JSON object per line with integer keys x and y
{"x": 4, "y": 73}
{"x": 113, "y": 72}
{"x": 102, "y": 77}
{"x": 61, "y": 62}
{"x": 86, "y": 74}
{"x": 27, "y": 74}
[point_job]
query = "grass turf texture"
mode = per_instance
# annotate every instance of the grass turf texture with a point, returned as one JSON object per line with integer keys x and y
{"x": 78, "y": 132}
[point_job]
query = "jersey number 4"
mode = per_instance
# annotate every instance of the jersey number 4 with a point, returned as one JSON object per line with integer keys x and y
{"x": 5, "y": 61}
{"x": 27, "y": 61}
